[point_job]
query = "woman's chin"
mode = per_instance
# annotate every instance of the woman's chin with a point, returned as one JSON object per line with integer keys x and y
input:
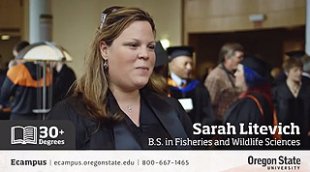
{"x": 141, "y": 83}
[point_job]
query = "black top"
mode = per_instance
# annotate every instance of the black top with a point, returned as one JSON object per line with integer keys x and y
{"x": 150, "y": 128}
{"x": 62, "y": 82}
{"x": 294, "y": 109}
{"x": 161, "y": 117}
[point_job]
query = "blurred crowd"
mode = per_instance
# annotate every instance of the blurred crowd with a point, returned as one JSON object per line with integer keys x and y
{"x": 23, "y": 81}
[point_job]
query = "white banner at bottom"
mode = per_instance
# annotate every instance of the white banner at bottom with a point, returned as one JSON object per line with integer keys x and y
{"x": 155, "y": 161}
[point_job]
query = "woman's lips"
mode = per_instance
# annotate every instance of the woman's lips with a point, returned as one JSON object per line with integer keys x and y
{"x": 142, "y": 68}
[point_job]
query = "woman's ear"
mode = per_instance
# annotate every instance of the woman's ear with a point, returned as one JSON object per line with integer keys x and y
{"x": 103, "y": 50}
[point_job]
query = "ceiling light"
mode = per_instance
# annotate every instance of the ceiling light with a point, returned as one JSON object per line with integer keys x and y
{"x": 5, "y": 37}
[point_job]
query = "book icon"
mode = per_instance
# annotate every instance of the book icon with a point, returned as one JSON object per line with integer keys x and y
{"x": 24, "y": 135}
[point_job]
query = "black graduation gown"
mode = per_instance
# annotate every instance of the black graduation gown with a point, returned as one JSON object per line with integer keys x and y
{"x": 117, "y": 136}
{"x": 245, "y": 110}
{"x": 202, "y": 110}
{"x": 62, "y": 83}
{"x": 296, "y": 110}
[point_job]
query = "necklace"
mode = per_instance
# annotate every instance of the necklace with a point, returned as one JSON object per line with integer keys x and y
{"x": 129, "y": 108}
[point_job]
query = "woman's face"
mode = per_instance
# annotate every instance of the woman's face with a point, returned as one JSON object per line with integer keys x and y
{"x": 295, "y": 74}
{"x": 240, "y": 79}
{"x": 131, "y": 56}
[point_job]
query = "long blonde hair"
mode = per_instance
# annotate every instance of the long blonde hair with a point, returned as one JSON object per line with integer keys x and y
{"x": 93, "y": 85}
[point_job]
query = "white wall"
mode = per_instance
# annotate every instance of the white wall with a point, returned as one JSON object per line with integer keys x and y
{"x": 75, "y": 22}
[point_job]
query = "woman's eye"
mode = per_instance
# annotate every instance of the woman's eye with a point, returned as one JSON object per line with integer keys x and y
{"x": 152, "y": 47}
{"x": 132, "y": 45}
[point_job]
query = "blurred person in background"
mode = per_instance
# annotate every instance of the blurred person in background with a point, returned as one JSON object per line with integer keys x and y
{"x": 160, "y": 73}
{"x": 254, "y": 104}
{"x": 221, "y": 80}
{"x": 16, "y": 50}
{"x": 63, "y": 78}
{"x": 296, "y": 54}
{"x": 191, "y": 93}
{"x": 21, "y": 85}
{"x": 292, "y": 99}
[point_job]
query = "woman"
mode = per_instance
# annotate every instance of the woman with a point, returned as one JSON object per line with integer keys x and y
{"x": 115, "y": 105}
{"x": 292, "y": 101}
{"x": 255, "y": 103}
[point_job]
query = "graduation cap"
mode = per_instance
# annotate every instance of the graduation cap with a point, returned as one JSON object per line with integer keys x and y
{"x": 256, "y": 64}
{"x": 177, "y": 51}
{"x": 296, "y": 54}
{"x": 161, "y": 55}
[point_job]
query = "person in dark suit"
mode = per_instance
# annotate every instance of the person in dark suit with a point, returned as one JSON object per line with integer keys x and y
{"x": 254, "y": 104}
{"x": 63, "y": 78}
{"x": 193, "y": 96}
{"x": 292, "y": 99}
{"x": 115, "y": 105}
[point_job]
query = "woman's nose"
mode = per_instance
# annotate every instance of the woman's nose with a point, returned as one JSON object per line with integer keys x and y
{"x": 144, "y": 53}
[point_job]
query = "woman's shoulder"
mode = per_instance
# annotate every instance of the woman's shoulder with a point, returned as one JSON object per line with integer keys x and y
{"x": 163, "y": 98}
{"x": 67, "y": 109}
{"x": 161, "y": 101}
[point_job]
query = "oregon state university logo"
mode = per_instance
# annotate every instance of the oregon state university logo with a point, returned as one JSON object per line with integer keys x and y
{"x": 280, "y": 163}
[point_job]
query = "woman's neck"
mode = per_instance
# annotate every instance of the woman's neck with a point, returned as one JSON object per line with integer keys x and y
{"x": 124, "y": 95}
{"x": 129, "y": 102}
{"x": 294, "y": 86}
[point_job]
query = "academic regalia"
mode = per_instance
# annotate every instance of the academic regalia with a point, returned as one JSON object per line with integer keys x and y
{"x": 247, "y": 110}
{"x": 296, "y": 110}
{"x": 161, "y": 55}
{"x": 199, "y": 95}
{"x": 254, "y": 106}
{"x": 192, "y": 92}
{"x": 160, "y": 117}
{"x": 161, "y": 64}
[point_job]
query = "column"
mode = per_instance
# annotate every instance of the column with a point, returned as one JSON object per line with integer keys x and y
{"x": 40, "y": 21}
